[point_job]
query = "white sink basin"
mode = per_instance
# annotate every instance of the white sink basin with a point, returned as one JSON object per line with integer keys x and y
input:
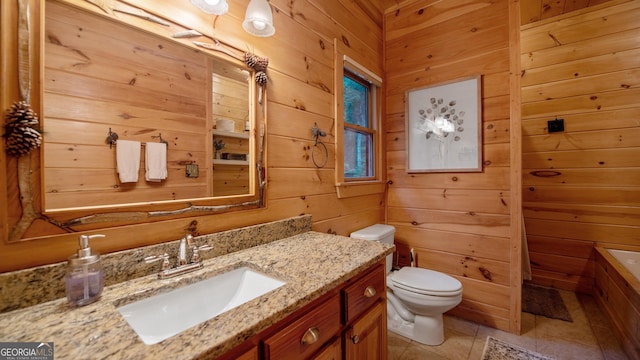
{"x": 161, "y": 316}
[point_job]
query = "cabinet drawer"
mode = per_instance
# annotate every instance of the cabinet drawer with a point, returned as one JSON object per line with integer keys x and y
{"x": 363, "y": 293}
{"x": 306, "y": 335}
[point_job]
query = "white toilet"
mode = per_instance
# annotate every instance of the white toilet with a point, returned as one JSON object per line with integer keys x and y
{"x": 416, "y": 297}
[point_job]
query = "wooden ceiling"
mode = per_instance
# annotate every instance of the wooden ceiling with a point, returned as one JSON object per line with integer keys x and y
{"x": 530, "y": 10}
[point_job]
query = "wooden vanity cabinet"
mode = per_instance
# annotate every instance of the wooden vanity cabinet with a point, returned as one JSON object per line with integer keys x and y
{"x": 332, "y": 351}
{"x": 361, "y": 294}
{"x": 367, "y": 337}
{"x": 365, "y": 313}
{"x": 306, "y": 335}
{"x": 251, "y": 354}
{"x": 347, "y": 323}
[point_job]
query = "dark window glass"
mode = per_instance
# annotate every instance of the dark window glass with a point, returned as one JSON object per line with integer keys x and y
{"x": 358, "y": 154}
{"x": 358, "y": 128}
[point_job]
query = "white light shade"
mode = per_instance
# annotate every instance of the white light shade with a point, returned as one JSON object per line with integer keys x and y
{"x": 216, "y": 7}
{"x": 258, "y": 20}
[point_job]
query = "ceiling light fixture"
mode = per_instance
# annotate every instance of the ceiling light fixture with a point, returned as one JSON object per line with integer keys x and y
{"x": 216, "y": 7}
{"x": 258, "y": 20}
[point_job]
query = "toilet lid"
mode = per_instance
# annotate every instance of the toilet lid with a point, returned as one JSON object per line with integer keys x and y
{"x": 424, "y": 281}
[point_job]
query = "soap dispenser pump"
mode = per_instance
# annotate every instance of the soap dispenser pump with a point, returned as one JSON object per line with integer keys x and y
{"x": 85, "y": 276}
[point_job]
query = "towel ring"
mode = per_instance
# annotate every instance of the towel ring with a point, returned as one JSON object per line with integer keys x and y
{"x": 319, "y": 145}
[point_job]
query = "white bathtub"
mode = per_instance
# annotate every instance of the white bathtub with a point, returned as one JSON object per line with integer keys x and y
{"x": 629, "y": 259}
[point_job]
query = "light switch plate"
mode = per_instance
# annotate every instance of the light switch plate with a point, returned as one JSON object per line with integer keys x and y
{"x": 191, "y": 170}
{"x": 556, "y": 125}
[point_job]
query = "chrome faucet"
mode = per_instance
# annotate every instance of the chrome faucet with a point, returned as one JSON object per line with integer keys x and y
{"x": 182, "y": 265}
{"x": 182, "y": 250}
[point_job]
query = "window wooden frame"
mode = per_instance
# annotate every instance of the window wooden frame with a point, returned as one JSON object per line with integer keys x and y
{"x": 371, "y": 185}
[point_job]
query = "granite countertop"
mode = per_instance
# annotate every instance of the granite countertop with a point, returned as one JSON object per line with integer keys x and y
{"x": 311, "y": 263}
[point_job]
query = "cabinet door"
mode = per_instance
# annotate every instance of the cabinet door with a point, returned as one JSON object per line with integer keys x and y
{"x": 332, "y": 351}
{"x": 367, "y": 337}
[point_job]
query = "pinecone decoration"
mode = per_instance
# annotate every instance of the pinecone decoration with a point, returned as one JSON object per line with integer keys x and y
{"x": 21, "y": 133}
{"x": 250, "y": 59}
{"x": 261, "y": 78}
{"x": 261, "y": 63}
{"x": 257, "y": 63}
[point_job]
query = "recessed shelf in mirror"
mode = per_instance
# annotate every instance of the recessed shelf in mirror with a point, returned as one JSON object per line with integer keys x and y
{"x": 230, "y": 162}
{"x": 231, "y": 134}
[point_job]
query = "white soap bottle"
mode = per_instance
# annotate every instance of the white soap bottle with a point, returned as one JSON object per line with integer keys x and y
{"x": 85, "y": 276}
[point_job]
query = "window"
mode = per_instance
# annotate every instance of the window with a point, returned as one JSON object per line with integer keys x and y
{"x": 358, "y": 137}
{"x": 359, "y": 161}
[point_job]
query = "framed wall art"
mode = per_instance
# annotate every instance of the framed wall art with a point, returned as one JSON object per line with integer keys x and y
{"x": 444, "y": 127}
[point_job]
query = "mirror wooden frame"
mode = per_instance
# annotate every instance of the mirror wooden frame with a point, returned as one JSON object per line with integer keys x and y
{"x": 27, "y": 220}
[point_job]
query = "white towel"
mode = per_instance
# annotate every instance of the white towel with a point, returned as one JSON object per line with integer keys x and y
{"x": 128, "y": 160}
{"x": 156, "y": 161}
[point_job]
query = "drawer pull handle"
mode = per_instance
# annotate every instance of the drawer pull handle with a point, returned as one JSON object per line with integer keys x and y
{"x": 355, "y": 339}
{"x": 310, "y": 336}
{"x": 370, "y": 291}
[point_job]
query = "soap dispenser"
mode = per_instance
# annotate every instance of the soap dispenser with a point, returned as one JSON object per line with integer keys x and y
{"x": 85, "y": 276}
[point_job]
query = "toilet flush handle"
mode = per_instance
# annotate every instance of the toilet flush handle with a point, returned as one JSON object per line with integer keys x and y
{"x": 413, "y": 257}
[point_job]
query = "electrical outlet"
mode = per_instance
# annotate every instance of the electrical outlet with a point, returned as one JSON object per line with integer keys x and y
{"x": 191, "y": 170}
{"x": 556, "y": 125}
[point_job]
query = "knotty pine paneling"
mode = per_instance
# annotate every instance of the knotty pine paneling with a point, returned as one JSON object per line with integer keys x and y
{"x": 564, "y": 32}
{"x": 547, "y": 245}
{"x": 496, "y": 178}
{"x": 536, "y": 10}
{"x": 552, "y": 195}
{"x": 580, "y": 186}
{"x": 581, "y": 67}
{"x": 468, "y": 244}
{"x": 306, "y": 150}
{"x": 451, "y": 221}
{"x": 596, "y": 214}
{"x": 585, "y": 124}
{"x": 473, "y": 201}
{"x": 457, "y": 223}
{"x": 230, "y": 180}
{"x": 472, "y": 267}
{"x": 324, "y": 207}
{"x": 94, "y": 63}
{"x": 620, "y": 301}
{"x": 299, "y": 94}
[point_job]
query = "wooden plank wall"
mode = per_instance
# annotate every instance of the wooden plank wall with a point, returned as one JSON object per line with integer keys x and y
{"x": 99, "y": 76}
{"x": 536, "y": 10}
{"x": 581, "y": 186}
{"x": 458, "y": 223}
{"x": 618, "y": 294}
{"x": 299, "y": 93}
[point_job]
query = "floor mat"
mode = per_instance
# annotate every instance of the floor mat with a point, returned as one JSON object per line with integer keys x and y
{"x": 544, "y": 301}
{"x": 495, "y": 349}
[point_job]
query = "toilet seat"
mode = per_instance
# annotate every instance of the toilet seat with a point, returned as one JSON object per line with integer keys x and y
{"x": 426, "y": 282}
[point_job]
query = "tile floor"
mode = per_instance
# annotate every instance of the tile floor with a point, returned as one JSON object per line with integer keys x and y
{"x": 588, "y": 337}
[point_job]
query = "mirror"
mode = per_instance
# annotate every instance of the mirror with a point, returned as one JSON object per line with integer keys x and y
{"x": 145, "y": 80}
{"x": 101, "y": 79}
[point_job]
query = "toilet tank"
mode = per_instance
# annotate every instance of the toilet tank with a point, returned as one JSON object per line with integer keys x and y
{"x": 378, "y": 232}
